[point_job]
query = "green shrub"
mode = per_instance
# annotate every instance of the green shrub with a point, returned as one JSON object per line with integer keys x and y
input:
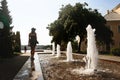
{"x": 104, "y": 52}
{"x": 115, "y": 51}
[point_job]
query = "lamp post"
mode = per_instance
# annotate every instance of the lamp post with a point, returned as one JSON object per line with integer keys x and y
{"x": 1, "y": 28}
{"x": 1, "y": 37}
{"x": 1, "y": 25}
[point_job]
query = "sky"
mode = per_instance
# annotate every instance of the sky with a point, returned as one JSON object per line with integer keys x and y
{"x": 39, "y": 13}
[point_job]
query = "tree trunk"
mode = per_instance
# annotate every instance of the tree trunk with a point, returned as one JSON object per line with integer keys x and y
{"x": 79, "y": 46}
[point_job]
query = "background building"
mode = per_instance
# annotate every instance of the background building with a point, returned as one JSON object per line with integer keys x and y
{"x": 113, "y": 22}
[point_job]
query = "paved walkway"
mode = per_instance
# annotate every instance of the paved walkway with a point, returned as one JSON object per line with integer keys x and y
{"x": 104, "y": 57}
{"x": 110, "y": 58}
{"x": 32, "y": 69}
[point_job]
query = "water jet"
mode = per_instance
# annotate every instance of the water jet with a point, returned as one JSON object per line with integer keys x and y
{"x": 69, "y": 52}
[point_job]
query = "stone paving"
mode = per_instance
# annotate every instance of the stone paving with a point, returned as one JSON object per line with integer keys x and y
{"x": 32, "y": 69}
{"x": 57, "y": 68}
{"x": 111, "y": 58}
{"x": 104, "y": 57}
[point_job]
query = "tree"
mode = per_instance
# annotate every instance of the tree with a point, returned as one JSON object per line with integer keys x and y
{"x": 74, "y": 20}
{"x": 17, "y": 42}
{"x": 5, "y": 10}
{"x": 5, "y": 37}
{"x": 57, "y": 31}
{"x": 5, "y": 34}
{"x": 103, "y": 33}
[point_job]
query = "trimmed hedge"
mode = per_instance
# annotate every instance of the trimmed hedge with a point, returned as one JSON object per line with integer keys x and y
{"x": 115, "y": 51}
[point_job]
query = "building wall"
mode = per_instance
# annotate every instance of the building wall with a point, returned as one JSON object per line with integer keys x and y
{"x": 117, "y": 10}
{"x": 116, "y": 34}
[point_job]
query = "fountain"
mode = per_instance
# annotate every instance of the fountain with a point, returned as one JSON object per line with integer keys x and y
{"x": 53, "y": 48}
{"x": 59, "y": 69}
{"x": 91, "y": 58}
{"x": 77, "y": 39}
{"x": 58, "y": 51}
{"x": 69, "y": 52}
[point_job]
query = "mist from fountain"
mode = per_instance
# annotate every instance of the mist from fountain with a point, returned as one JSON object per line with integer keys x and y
{"x": 91, "y": 59}
{"x": 58, "y": 51}
{"x": 53, "y": 48}
{"x": 69, "y": 52}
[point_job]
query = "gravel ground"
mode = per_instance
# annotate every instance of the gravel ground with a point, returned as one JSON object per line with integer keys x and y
{"x": 55, "y": 68}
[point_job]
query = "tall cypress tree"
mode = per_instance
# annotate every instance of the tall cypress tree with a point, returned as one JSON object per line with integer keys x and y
{"x": 17, "y": 42}
{"x": 5, "y": 10}
{"x": 5, "y": 37}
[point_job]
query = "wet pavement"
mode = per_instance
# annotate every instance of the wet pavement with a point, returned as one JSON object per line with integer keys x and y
{"x": 55, "y": 68}
{"x": 32, "y": 68}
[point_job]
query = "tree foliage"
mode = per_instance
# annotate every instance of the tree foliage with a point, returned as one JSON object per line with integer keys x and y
{"x": 16, "y": 42}
{"x": 5, "y": 34}
{"x": 5, "y": 10}
{"x": 73, "y": 21}
{"x": 57, "y": 30}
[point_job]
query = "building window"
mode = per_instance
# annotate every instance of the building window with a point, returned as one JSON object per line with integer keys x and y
{"x": 119, "y": 28}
